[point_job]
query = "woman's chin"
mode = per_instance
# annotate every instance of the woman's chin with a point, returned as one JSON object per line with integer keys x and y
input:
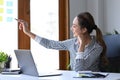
{"x": 74, "y": 36}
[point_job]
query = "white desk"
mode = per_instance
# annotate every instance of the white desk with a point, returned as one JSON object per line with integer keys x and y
{"x": 66, "y": 75}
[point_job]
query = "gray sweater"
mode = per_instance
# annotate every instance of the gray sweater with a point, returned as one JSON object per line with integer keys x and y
{"x": 79, "y": 61}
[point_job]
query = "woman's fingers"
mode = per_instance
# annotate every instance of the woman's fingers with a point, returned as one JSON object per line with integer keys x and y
{"x": 23, "y": 25}
{"x": 19, "y": 20}
{"x": 20, "y": 26}
{"x": 22, "y": 22}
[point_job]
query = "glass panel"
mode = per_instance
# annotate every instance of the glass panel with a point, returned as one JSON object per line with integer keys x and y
{"x": 44, "y": 22}
{"x": 8, "y": 28}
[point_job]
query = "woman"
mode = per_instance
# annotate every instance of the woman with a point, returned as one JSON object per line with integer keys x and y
{"x": 85, "y": 50}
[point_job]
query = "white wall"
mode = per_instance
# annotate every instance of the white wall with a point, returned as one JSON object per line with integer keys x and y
{"x": 95, "y": 7}
{"x": 76, "y": 7}
{"x": 105, "y": 12}
{"x": 112, "y": 15}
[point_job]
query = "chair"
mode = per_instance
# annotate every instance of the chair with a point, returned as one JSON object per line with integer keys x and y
{"x": 113, "y": 52}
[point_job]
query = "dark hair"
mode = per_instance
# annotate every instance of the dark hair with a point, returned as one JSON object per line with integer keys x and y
{"x": 86, "y": 20}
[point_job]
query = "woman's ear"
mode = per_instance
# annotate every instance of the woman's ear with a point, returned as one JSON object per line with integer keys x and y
{"x": 84, "y": 30}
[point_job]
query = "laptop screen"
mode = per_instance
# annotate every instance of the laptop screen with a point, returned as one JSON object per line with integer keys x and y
{"x": 26, "y": 62}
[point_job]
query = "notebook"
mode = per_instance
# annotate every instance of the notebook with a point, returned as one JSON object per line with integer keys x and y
{"x": 90, "y": 74}
{"x": 28, "y": 66}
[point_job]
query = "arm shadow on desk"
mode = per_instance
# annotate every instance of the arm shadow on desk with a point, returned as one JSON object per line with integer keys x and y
{"x": 113, "y": 53}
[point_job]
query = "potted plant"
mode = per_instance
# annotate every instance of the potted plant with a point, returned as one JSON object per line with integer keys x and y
{"x": 3, "y": 59}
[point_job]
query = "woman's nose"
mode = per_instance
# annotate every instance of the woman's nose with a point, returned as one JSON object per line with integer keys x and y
{"x": 72, "y": 28}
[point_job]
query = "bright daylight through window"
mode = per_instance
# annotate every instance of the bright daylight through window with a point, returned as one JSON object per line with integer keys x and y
{"x": 44, "y": 22}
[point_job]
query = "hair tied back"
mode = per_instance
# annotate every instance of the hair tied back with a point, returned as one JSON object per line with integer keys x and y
{"x": 95, "y": 27}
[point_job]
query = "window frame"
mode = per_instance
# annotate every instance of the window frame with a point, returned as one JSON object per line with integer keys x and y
{"x": 24, "y": 40}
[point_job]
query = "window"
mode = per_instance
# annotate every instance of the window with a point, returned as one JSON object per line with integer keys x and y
{"x": 8, "y": 28}
{"x": 44, "y": 22}
{"x": 25, "y": 12}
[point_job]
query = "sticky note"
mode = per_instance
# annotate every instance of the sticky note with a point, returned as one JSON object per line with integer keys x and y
{"x": 1, "y": 10}
{"x": 9, "y": 19}
{"x": 1, "y": 2}
{"x": 9, "y": 3}
{"x": 9, "y": 11}
{"x": 1, "y": 18}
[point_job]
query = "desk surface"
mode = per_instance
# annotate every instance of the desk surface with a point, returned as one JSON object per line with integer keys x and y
{"x": 66, "y": 75}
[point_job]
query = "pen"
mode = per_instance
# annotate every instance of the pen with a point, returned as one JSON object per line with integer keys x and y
{"x": 20, "y": 20}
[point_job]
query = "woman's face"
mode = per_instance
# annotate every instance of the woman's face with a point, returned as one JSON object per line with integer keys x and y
{"x": 76, "y": 28}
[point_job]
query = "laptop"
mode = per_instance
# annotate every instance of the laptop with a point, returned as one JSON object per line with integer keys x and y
{"x": 27, "y": 65}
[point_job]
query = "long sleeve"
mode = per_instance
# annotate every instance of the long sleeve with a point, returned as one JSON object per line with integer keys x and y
{"x": 88, "y": 60}
{"x": 57, "y": 45}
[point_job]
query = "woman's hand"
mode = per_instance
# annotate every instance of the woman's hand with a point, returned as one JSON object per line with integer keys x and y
{"x": 23, "y": 25}
{"x": 82, "y": 44}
